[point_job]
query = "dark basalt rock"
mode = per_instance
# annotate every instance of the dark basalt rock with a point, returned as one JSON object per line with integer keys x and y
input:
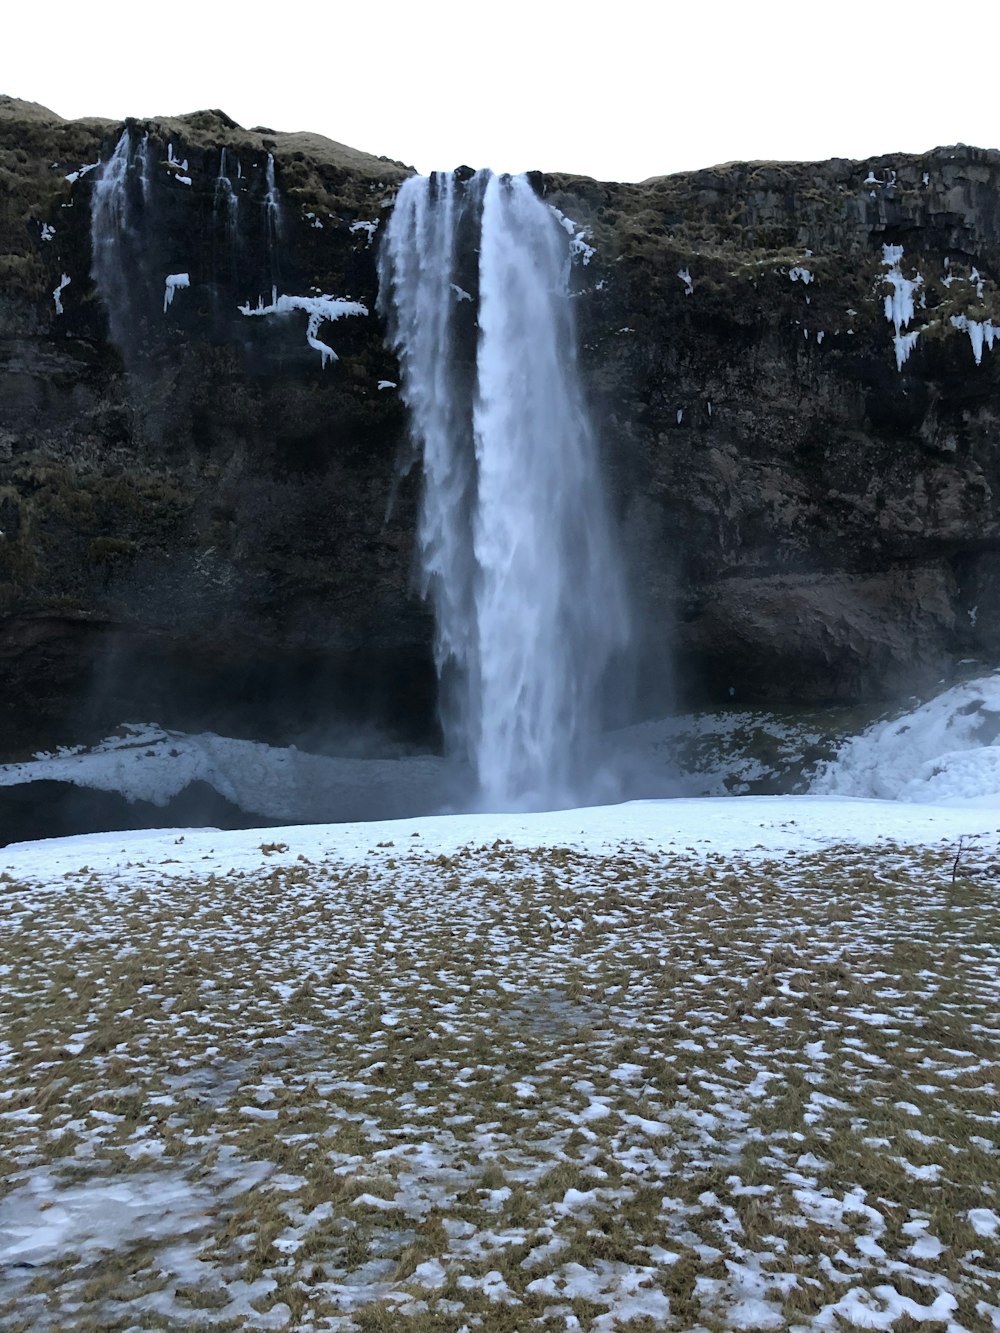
{"x": 814, "y": 523}
{"x": 49, "y": 809}
{"x": 206, "y": 527}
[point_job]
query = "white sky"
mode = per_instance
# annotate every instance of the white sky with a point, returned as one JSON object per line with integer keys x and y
{"x": 619, "y": 90}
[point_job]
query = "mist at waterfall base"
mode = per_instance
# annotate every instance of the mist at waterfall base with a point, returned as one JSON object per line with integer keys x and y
{"x": 517, "y": 552}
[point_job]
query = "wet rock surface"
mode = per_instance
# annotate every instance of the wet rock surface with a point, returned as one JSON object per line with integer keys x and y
{"x": 207, "y": 521}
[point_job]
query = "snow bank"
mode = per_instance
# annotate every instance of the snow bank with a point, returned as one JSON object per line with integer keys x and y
{"x": 148, "y": 763}
{"x": 752, "y": 826}
{"x": 945, "y": 750}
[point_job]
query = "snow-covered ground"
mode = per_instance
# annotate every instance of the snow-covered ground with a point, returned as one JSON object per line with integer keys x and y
{"x": 709, "y": 1063}
{"x": 750, "y": 826}
{"x": 945, "y": 750}
{"x": 717, "y": 1064}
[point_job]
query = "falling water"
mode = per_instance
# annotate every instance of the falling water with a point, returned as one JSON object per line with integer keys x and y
{"x": 515, "y": 542}
{"x": 227, "y": 201}
{"x": 272, "y": 218}
{"x": 144, "y": 167}
{"x": 113, "y": 237}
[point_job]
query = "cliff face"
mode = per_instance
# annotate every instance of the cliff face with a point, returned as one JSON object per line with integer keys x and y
{"x": 196, "y": 516}
{"x": 795, "y": 362}
{"x": 204, "y": 517}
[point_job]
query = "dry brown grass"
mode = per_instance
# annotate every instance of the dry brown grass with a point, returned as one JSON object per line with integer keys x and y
{"x": 362, "y": 1070}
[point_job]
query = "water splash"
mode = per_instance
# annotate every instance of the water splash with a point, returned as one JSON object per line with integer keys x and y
{"x": 515, "y": 541}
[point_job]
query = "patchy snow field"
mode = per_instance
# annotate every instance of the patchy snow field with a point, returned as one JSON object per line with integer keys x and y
{"x": 689, "y": 1064}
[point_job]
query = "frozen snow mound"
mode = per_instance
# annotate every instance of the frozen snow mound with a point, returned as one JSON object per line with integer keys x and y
{"x": 947, "y": 749}
{"x": 147, "y": 763}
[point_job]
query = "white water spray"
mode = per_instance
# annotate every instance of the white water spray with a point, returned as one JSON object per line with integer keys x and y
{"x": 515, "y": 541}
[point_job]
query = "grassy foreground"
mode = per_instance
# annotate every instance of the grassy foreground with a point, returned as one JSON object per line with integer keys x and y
{"x": 503, "y": 1090}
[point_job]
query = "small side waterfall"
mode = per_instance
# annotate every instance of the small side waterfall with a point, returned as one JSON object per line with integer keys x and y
{"x": 272, "y": 218}
{"x": 516, "y": 548}
{"x": 112, "y": 232}
{"x": 227, "y": 201}
{"x": 144, "y": 166}
{"x": 122, "y": 208}
{"x": 226, "y": 217}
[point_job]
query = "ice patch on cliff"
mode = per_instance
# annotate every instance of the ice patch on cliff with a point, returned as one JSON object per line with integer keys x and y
{"x": 947, "y": 749}
{"x": 320, "y": 310}
{"x": 578, "y": 247}
{"x": 685, "y": 277}
{"x": 975, "y": 278}
{"x": 899, "y": 303}
{"x": 981, "y": 333}
{"x": 64, "y": 282}
{"x": 369, "y": 228}
{"x": 800, "y": 274}
{"x": 178, "y": 169}
{"x": 172, "y": 283}
{"x": 81, "y": 171}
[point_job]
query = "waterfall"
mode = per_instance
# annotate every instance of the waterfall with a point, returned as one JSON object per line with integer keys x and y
{"x": 516, "y": 548}
{"x": 226, "y": 200}
{"x": 121, "y": 191}
{"x": 272, "y": 218}
{"x": 144, "y": 167}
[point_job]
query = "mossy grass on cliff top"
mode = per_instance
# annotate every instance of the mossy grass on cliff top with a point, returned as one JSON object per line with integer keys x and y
{"x": 41, "y": 154}
{"x": 830, "y": 207}
{"x": 214, "y": 128}
{"x": 204, "y": 128}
